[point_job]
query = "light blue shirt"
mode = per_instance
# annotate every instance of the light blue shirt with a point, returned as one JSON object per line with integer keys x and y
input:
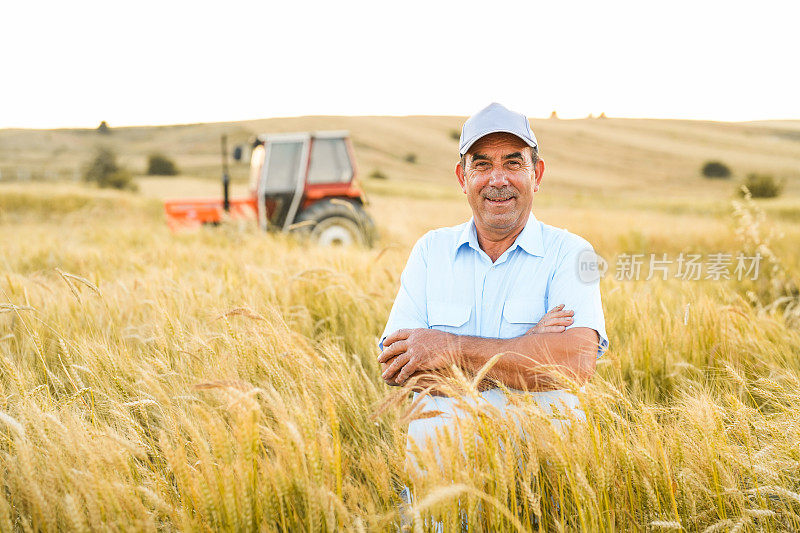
{"x": 450, "y": 284}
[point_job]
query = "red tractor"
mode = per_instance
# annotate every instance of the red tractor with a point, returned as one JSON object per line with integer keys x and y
{"x": 301, "y": 182}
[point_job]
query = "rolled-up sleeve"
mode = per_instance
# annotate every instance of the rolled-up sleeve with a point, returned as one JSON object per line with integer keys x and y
{"x": 410, "y": 308}
{"x": 579, "y": 293}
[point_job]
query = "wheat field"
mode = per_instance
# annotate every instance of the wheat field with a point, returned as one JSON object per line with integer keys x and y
{"x": 227, "y": 380}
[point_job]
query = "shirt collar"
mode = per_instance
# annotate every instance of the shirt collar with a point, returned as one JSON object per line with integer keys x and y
{"x": 529, "y": 239}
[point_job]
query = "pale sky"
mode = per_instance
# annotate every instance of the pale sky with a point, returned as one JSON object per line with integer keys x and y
{"x": 73, "y": 64}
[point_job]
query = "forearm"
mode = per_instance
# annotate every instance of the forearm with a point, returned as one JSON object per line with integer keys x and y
{"x": 530, "y": 362}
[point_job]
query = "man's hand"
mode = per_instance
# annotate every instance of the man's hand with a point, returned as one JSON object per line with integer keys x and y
{"x": 410, "y": 351}
{"x": 555, "y": 321}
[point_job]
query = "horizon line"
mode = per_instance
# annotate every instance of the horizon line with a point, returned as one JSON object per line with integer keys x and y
{"x": 387, "y": 115}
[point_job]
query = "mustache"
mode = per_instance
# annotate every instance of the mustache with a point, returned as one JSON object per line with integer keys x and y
{"x": 499, "y": 193}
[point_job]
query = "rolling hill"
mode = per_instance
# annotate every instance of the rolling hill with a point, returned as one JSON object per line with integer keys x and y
{"x": 593, "y": 157}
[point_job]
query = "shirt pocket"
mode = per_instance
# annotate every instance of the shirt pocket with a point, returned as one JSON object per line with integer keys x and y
{"x": 448, "y": 316}
{"x": 520, "y": 315}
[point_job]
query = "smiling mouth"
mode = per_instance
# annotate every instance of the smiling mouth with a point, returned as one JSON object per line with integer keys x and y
{"x": 500, "y": 200}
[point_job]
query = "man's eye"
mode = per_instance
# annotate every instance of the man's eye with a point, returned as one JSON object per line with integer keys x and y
{"x": 514, "y": 164}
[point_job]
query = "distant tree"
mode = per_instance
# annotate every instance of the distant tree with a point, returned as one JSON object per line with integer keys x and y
{"x": 410, "y": 158}
{"x": 121, "y": 179}
{"x": 378, "y": 175}
{"x": 104, "y": 128}
{"x": 762, "y": 186}
{"x": 602, "y": 115}
{"x": 455, "y": 135}
{"x": 716, "y": 169}
{"x": 161, "y": 165}
{"x": 103, "y": 164}
{"x": 104, "y": 171}
{"x": 554, "y": 114}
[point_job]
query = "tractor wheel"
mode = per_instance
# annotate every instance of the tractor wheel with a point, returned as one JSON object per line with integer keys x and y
{"x": 336, "y": 231}
{"x": 337, "y": 222}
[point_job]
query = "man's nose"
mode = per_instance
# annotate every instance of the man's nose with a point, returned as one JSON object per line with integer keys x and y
{"x": 498, "y": 178}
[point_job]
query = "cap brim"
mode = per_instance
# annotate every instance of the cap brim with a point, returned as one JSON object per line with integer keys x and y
{"x": 484, "y": 134}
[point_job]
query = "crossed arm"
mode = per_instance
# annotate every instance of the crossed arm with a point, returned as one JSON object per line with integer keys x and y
{"x": 526, "y": 362}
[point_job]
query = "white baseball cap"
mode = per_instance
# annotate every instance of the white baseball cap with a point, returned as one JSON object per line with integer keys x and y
{"x": 495, "y": 118}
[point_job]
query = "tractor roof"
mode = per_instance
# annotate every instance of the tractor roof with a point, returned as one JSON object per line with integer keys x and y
{"x": 325, "y": 134}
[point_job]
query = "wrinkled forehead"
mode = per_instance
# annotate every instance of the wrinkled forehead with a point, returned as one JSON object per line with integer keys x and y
{"x": 498, "y": 145}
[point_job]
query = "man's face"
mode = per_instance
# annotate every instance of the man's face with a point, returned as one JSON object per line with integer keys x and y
{"x": 499, "y": 181}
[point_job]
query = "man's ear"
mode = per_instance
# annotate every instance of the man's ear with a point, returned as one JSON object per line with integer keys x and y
{"x": 461, "y": 178}
{"x": 538, "y": 172}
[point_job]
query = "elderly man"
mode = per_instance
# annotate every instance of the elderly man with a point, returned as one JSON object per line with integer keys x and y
{"x": 483, "y": 287}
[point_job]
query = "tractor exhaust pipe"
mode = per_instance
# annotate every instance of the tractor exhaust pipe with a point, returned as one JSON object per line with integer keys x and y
{"x": 226, "y": 179}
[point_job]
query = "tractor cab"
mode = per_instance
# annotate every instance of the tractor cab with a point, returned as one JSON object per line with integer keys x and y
{"x": 291, "y": 171}
{"x": 302, "y": 182}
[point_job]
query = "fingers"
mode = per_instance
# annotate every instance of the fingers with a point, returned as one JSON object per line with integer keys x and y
{"x": 391, "y": 382}
{"x": 556, "y": 321}
{"x": 539, "y": 329}
{"x": 392, "y": 350}
{"x": 551, "y": 329}
{"x": 395, "y": 366}
{"x": 557, "y": 317}
{"x": 407, "y": 371}
{"x": 559, "y": 313}
{"x": 384, "y": 367}
{"x": 398, "y": 335}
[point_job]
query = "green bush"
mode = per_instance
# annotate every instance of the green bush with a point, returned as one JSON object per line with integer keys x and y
{"x": 378, "y": 175}
{"x": 161, "y": 165}
{"x": 121, "y": 179}
{"x": 105, "y": 172}
{"x": 716, "y": 169}
{"x": 410, "y": 158}
{"x": 103, "y": 164}
{"x": 762, "y": 186}
{"x": 455, "y": 135}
